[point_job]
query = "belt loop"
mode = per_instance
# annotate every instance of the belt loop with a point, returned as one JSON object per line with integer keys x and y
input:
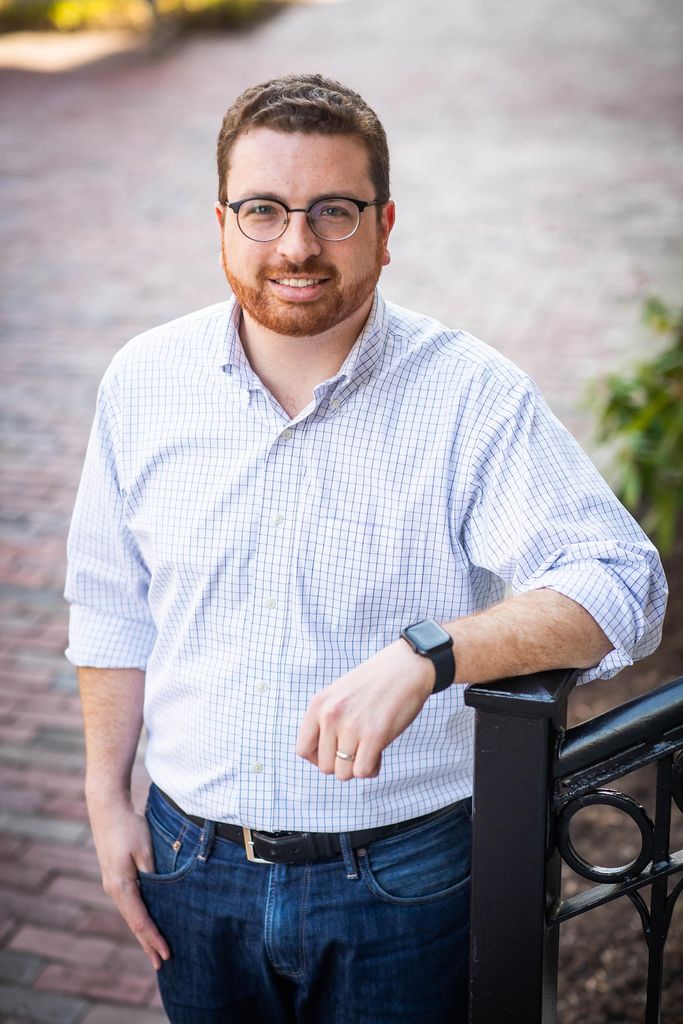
{"x": 206, "y": 840}
{"x": 349, "y": 855}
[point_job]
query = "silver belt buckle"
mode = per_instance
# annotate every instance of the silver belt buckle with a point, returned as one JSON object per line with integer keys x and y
{"x": 249, "y": 848}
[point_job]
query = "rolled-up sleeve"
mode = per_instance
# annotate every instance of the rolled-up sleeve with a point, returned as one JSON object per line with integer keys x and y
{"x": 107, "y": 580}
{"x": 544, "y": 517}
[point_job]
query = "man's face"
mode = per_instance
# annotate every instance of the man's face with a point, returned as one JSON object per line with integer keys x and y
{"x": 297, "y": 169}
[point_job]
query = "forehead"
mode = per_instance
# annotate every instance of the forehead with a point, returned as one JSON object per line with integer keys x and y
{"x": 297, "y": 165}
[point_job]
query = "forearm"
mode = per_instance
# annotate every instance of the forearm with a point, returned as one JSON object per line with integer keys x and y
{"x": 112, "y": 701}
{"x": 112, "y": 714}
{"x": 368, "y": 707}
{"x": 532, "y": 632}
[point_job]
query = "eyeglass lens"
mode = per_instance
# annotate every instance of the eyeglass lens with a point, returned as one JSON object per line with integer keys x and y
{"x": 264, "y": 219}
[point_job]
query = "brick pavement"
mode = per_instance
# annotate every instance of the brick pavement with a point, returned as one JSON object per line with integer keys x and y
{"x": 537, "y": 167}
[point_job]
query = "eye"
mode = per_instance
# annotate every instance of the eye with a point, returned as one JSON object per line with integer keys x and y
{"x": 332, "y": 211}
{"x": 257, "y": 209}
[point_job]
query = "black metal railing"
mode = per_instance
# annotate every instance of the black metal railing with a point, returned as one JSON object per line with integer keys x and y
{"x": 531, "y": 776}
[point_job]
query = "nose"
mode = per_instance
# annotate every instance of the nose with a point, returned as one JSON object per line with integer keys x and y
{"x": 299, "y": 241}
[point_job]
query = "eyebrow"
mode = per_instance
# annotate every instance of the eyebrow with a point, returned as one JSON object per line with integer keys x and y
{"x": 264, "y": 195}
{"x": 279, "y": 199}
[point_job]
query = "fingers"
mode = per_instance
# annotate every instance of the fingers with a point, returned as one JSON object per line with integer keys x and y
{"x": 307, "y": 742}
{"x": 131, "y": 907}
{"x": 144, "y": 859}
{"x": 125, "y": 848}
{"x": 365, "y": 762}
{"x": 324, "y": 734}
{"x": 343, "y": 766}
{"x": 120, "y": 872}
{"x": 328, "y": 744}
{"x": 318, "y": 742}
{"x": 368, "y": 761}
{"x": 363, "y": 711}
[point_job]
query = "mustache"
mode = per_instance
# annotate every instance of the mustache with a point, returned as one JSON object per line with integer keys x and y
{"x": 309, "y": 268}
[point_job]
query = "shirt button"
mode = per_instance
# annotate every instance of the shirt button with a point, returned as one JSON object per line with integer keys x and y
{"x": 261, "y": 686}
{"x": 270, "y": 602}
{"x": 287, "y": 434}
{"x": 335, "y": 403}
{"x": 278, "y": 519}
{"x": 257, "y": 768}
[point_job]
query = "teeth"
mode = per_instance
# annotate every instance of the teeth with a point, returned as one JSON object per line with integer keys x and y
{"x": 298, "y": 282}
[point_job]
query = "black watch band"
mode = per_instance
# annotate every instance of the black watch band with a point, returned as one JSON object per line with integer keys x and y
{"x": 444, "y": 663}
{"x": 431, "y": 640}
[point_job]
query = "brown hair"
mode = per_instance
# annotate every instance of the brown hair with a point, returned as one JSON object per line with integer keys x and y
{"x": 305, "y": 103}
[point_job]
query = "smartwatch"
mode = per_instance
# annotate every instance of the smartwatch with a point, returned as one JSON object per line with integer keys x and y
{"x": 432, "y": 641}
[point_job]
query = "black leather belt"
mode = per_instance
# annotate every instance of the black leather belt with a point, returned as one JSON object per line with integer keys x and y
{"x": 297, "y": 847}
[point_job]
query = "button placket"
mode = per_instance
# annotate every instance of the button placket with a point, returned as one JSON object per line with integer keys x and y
{"x": 271, "y": 595}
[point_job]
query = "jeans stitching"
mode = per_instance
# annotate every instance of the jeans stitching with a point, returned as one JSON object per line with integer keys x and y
{"x": 280, "y": 967}
{"x": 268, "y": 917}
{"x": 302, "y": 920}
{"x": 168, "y": 877}
{"x": 407, "y": 901}
{"x": 380, "y": 893}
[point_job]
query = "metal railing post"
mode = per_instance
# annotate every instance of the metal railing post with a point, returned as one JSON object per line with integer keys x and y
{"x": 513, "y": 963}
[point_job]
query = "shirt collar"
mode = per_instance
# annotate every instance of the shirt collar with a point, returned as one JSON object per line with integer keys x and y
{"x": 369, "y": 346}
{"x": 358, "y": 365}
{"x": 233, "y": 357}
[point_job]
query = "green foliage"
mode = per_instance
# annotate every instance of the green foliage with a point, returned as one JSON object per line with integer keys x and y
{"x": 641, "y": 416}
{"x": 68, "y": 15}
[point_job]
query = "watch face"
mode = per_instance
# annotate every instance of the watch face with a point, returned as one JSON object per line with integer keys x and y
{"x": 428, "y": 635}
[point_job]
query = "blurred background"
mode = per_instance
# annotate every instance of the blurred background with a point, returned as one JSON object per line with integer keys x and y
{"x": 537, "y": 167}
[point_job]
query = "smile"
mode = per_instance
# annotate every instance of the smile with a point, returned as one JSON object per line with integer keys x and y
{"x": 299, "y": 282}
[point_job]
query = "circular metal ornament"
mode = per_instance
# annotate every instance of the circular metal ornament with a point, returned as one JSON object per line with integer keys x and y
{"x": 597, "y": 872}
{"x": 677, "y": 782}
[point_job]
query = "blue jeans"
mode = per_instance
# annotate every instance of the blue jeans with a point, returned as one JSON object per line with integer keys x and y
{"x": 379, "y": 936}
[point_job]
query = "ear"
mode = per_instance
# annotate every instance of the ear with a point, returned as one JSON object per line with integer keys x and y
{"x": 220, "y": 212}
{"x": 386, "y": 225}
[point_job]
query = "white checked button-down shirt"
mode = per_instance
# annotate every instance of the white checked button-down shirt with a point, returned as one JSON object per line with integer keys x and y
{"x": 246, "y": 559}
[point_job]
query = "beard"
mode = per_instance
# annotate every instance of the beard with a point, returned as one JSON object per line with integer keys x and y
{"x": 305, "y": 319}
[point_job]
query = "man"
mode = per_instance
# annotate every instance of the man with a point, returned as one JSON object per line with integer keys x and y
{"x": 297, "y": 517}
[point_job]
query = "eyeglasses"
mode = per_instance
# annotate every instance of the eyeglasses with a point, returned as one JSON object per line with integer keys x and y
{"x": 334, "y": 218}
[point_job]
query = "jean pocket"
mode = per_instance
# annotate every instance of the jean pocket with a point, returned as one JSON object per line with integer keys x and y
{"x": 428, "y": 863}
{"x": 175, "y": 849}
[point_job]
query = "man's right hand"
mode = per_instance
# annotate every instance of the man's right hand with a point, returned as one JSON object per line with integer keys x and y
{"x": 124, "y": 848}
{"x": 112, "y": 701}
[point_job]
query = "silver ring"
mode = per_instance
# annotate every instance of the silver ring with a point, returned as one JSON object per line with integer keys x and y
{"x": 343, "y": 756}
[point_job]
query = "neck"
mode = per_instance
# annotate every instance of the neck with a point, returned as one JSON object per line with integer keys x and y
{"x": 290, "y": 367}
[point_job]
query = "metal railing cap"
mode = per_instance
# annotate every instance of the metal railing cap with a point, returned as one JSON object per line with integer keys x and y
{"x": 533, "y": 696}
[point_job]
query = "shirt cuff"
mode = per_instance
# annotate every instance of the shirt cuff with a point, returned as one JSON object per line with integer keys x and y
{"x": 101, "y": 640}
{"x": 607, "y": 601}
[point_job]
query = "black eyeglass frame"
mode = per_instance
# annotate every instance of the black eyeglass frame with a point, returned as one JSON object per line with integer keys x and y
{"x": 362, "y": 204}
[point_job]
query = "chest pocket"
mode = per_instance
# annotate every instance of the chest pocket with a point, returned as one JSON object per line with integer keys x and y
{"x": 355, "y": 574}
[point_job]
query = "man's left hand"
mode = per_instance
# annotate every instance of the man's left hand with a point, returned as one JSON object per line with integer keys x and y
{"x": 364, "y": 710}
